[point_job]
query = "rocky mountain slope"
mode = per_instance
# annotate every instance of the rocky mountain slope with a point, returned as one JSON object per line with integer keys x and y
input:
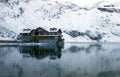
{"x": 96, "y": 23}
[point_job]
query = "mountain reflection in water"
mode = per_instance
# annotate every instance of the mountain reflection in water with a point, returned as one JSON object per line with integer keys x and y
{"x": 74, "y": 60}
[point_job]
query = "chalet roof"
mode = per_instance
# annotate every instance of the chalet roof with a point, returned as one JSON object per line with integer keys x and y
{"x": 26, "y": 30}
{"x": 51, "y": 29}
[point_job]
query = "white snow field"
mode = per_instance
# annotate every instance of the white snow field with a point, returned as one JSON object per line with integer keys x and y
{"x": 95, "y": 21}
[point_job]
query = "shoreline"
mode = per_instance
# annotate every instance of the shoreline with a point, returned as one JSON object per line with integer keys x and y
{"x": 16, "y": 42}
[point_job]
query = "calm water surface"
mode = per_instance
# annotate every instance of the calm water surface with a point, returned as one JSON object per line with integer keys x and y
{"x": 74, "y": 60}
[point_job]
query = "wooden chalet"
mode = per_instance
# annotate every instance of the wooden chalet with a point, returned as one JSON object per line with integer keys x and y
{"x": 41, "y": 35}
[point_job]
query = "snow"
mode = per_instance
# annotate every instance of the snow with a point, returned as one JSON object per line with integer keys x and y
{"x": 66, "y": 15}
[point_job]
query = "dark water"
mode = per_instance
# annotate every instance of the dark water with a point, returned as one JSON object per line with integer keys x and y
{"x": 74, "y": 60}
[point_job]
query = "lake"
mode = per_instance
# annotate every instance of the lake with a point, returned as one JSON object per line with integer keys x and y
{"x": 72, "y": 60}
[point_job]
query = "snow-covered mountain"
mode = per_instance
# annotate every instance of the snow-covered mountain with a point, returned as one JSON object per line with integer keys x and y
{"x": 99, "y": 22}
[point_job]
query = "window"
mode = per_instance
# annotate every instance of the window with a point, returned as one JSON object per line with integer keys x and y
{"x": 45, "y": 33}
{"x": 52, "y": 33}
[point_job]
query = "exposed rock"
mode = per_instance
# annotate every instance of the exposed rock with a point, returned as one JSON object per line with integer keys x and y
{"x": 4, "y": 32}
{"x": 110, "y": 10}
{"x": 92, "y": 35}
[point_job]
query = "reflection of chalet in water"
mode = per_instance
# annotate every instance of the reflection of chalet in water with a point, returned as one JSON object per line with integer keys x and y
{"x": 41, "y": 35}
{"x": 39, "y": 52}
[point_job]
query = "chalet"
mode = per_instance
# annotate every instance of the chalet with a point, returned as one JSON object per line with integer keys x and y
{"x": 41, "y": 35}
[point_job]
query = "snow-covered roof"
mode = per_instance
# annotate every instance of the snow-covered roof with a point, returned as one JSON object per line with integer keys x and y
{"x": 51, "y": 29}
{"x": 26, "y": 30}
